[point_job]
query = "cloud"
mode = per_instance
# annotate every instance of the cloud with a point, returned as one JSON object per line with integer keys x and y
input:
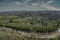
{"x": 46, "y": 6}
{"x": 29, "y": 5}
{"x": 35, "y": 4}
{"x": 18, "y": 3}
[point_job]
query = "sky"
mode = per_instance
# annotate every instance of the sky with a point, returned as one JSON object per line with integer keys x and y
{"x": 29, "y": 5}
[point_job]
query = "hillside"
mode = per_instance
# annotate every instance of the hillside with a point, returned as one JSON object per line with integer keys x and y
{"x": 30, "y": 25}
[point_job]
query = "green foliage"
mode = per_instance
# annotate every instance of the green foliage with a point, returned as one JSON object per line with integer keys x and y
{"x": 24, "y": 24}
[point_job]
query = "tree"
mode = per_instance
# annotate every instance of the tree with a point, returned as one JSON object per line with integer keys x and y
{"x": 10, "y": 21}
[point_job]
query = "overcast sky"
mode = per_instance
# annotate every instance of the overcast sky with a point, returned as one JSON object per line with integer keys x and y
{"x": 16, "y": 5}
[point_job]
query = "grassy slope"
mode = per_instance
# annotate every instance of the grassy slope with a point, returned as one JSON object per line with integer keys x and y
{"x": 9, "y": 34}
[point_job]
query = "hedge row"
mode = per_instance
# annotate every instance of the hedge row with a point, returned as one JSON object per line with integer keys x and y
{"x": 30, "y": 28}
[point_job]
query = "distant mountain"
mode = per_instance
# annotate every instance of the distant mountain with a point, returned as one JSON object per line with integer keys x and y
{"x": 32, "y": 12}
